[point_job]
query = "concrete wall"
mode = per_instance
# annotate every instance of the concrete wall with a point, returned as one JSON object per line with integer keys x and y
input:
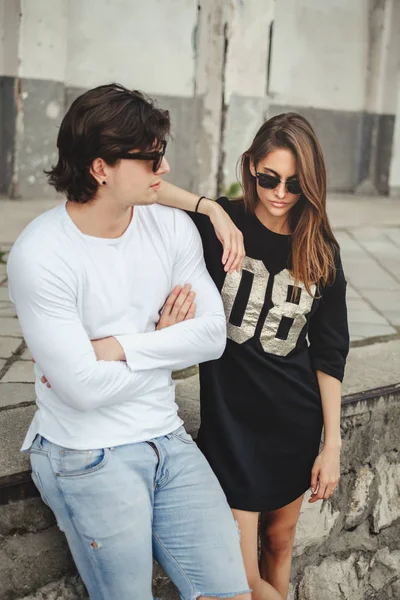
{"x": 336, "y": 63}
{"x": 220, "y": 66}
{"x": 32, "y": 92}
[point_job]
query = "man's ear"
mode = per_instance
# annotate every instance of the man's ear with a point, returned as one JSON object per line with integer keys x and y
{"x": 98, "y": 170}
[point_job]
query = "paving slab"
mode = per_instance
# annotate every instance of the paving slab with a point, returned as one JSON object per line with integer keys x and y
{"x": 26, "y": 355}
{"x": 4, "y": 297}
{"x": 12, "y": 394}
{"x": 361, "y": 312}
{"x": 8, "y": 345}
{"x": 347, "y": 210}
{"x": 10, "y": 327}
{"x": 366, "y": 273}
{"x": 21, "y": 371}
{"x": 351, "y": 292}
{"x": 13, "y": 427}
{"x": 7, "y": 309}
{"x": 394, "y": 236}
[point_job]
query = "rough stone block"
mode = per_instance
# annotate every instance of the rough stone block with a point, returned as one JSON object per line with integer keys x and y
{"x": 336, "y": 579}
{"x": 14, "y": 424}
{"x": 387, "y": 509}
{"x": 384, "y": 569}
{"x": 32, "y": 560}
{"x": 68, "y": 588}
{"x": 315, "y": 524}
{"x": 360, "y": 496}
{"x": 25, "y": 516}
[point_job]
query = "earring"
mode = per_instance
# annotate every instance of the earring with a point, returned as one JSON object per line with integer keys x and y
{"x": 104, "y": 182}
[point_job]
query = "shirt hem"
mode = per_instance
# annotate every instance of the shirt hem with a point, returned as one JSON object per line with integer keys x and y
{"x": 97, "y": 444}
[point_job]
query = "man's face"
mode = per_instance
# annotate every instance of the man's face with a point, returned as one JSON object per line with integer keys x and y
{"x": 134, "y": 182}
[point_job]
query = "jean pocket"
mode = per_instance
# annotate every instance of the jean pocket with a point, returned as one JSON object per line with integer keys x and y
{"x": 182, "y": 435}
{"x": 76, "y": 463}
{"x": 37, "y": 481}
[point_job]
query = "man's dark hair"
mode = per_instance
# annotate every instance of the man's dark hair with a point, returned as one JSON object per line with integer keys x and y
{"x": 102, "y": 123}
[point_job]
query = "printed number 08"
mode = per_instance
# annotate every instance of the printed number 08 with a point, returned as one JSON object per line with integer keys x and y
{"x": 282, "y": 308}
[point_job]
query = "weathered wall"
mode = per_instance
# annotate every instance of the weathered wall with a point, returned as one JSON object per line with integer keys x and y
{"x": 347, "y": 548}
{"x": 220, "y": 66}
{"x": 336, "y": 63}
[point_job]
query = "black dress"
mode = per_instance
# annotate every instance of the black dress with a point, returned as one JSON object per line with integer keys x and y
{"x": 261, "y": 413}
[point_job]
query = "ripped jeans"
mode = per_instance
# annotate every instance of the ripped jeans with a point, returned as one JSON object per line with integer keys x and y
{"x": 119, "y": 507}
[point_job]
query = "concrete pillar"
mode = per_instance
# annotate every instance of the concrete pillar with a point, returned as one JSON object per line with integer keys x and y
{"x": 246, "y": 82}
{"x": 378, "y": 121}
{"x": 394, "y": 179}
{"x": 212, "y": 41}
{"x": 9, "y": 42}
{"x": 35, "y": 48}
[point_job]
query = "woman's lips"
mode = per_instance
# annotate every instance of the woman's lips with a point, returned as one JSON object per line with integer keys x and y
{"x": 278, "y": 204}
{"x": 155, "y": 186}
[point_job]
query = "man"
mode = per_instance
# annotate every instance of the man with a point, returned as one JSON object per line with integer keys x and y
{"x": 89, "y": 280}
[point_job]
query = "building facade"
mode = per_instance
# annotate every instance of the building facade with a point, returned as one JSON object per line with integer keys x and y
{"x": 221, "y": 67}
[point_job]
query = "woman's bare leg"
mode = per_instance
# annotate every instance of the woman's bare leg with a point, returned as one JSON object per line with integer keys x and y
{"x": 248, "y": 525}
{"x": 277, "y": 531}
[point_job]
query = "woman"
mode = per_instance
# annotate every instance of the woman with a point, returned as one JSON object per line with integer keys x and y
{"x": 264, "y": 402}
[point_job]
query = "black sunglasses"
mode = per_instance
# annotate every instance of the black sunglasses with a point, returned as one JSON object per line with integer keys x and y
{"x": 269, "y": 182}
{"x": 156, "y": 157}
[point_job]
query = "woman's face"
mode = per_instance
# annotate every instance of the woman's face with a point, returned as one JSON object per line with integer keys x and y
{"x": 281, "y": 165}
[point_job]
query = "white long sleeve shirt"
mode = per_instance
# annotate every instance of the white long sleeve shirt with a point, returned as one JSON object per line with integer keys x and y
{"x": 70, "y": 288}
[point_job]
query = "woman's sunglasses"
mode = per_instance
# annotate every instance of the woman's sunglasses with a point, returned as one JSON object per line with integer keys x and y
{"x": 156, "y": 157}
{"x": 269, "y": 182}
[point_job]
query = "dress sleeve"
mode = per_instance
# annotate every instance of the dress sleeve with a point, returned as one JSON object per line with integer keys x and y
{"x": 328, "y": 330}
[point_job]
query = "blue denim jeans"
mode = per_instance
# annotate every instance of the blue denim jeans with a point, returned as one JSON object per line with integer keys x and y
{"x": 119, "y": 507}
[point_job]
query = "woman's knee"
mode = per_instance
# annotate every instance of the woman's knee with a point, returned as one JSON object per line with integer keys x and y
{"x": 278, "y": 540}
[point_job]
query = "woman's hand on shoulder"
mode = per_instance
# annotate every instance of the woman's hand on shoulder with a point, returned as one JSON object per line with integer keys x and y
{"x": 228, "y": 234}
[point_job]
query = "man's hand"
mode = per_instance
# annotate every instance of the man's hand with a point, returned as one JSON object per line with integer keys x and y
{"x": 178, "y": 307}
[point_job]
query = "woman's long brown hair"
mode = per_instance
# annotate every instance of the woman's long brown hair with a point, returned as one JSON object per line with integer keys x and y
{"x": 313, "y": 244}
